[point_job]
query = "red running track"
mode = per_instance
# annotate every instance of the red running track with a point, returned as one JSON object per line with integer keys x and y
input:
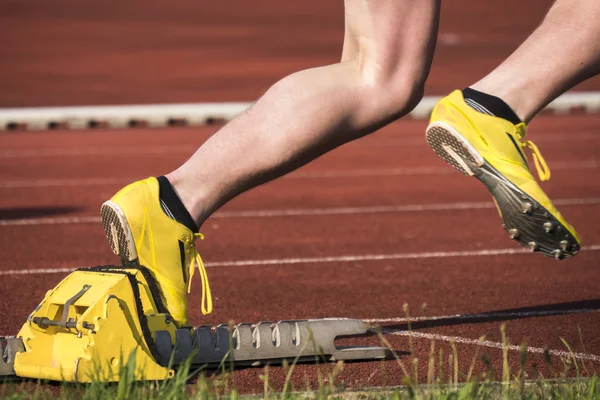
{"x": 358, "y": 233}
{"x": 387, "y": 196}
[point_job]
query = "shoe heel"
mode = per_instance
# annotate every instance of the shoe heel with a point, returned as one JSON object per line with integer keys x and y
{"x": 453, "y": 148}
{"x": 118, "y": 232}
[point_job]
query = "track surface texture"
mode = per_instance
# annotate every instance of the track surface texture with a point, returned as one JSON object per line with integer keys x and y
{"x": 358, "y": 233}
{"x": 376, "y": 224}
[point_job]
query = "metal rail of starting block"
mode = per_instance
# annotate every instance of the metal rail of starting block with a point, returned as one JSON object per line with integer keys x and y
{"x": 266, "y": 342}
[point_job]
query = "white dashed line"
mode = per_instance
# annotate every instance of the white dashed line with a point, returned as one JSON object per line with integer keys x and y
{"x": 306, "y": 212}
{"x": 491, "y": 315}
{"x": 167, "y": 150}
{"x": 490, "y": 344}
{"x": 302, "y": 174}
{"x": 333, "y": 259}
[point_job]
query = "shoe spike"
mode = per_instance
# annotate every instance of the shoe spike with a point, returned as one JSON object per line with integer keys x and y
{"x": 527, "y": 208}
{"x": 558, "y": 254}
{"x": 532, "y": 246}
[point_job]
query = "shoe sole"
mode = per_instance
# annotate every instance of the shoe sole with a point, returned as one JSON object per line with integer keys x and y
{"x": 525, "y": 220}
{"x": 118, "y": 232}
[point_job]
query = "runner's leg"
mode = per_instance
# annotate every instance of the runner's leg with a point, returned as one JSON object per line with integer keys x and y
{"x": 481, "y": 130}
{"x": 388, "y": 47}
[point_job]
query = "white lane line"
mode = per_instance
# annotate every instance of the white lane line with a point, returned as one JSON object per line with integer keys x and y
{"x": 322, "y": 174}
{"x": 488, "y": 343}
{"x": 333, "y": 259}
{"x": 318, "y": 174}
{"x": 450, "y": 38}
{"x": 468, "y": 317}
{"x": 167, "y": 150}
{"x": 305, "y": 212}
{"x": 42, "y": 183}
{"x": 356, "y": 173}
{"x": 384, "y": 209}
{"x": 50, "y": 221}
{"x": 39, "y": 271}
{"x": 379, "y": 257}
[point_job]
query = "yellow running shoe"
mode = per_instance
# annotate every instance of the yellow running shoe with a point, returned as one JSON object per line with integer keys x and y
{"x": 491, "y": 149}
{"x": 140, "y": 232}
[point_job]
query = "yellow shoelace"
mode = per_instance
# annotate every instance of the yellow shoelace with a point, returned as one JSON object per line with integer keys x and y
{"x": 195, "y": 259}
{"x": 540, "y": 164}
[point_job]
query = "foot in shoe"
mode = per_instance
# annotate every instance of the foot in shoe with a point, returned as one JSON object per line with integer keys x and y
{"x": 140, "y": 230}
{"x": 490, "y": 148}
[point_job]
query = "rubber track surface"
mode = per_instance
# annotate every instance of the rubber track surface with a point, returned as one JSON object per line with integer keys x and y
{"x": 194, "y": 51}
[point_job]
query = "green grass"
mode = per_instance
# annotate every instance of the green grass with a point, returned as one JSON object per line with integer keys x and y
{"x": 577, "y": 388}
{"x": 444, "y": 380}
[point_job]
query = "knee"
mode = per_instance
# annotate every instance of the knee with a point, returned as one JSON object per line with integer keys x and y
{"x": 398, "y": 91}
{"x": 392, "y": 92}
{"x": 403, "y": 93}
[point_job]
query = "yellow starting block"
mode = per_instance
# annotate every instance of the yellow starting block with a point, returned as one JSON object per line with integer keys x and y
{"x": 90, "y": 323}
{"x": 96, "y": 319}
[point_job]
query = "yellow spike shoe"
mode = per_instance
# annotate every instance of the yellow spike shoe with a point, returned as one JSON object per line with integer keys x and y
{"x": 491, "y": 149}
{"x": 139, "y": 231}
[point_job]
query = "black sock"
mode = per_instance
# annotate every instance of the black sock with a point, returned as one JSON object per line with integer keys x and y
{"x": 172, "y": 205}
{"x": 488, "y": 104}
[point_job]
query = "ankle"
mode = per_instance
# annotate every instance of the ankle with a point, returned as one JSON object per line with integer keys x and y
{"x": 512, "y": 95}
{"x": 490, "y": 103}
{"x": 192, "y": 196}
{"x": 173, "y": 204}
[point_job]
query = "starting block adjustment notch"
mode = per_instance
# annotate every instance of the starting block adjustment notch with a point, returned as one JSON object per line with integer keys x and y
{"x": 255, "y": 344}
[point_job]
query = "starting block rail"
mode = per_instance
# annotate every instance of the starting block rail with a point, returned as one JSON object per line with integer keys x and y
{"x": 266, "y": 342}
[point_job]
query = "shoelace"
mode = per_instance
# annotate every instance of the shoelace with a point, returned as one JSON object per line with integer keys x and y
{"x": 540, "y": 164}
{"x": 195, "y": 259}
{"x": 192, "y": 255}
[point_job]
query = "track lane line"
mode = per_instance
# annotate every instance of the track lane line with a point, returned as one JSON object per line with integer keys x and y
{"x": 380, "y": 257}
{"x": 490, "y": 344}
{"x": 50, "y": 221}
{"x": 492, "y": 314}
{"x": 190, "y": 148}
{"x": 385, "y": 209}
{"x": 305, "y": 212}
{"x": 318, "y": 260}
{"x": 317, "y": 174}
